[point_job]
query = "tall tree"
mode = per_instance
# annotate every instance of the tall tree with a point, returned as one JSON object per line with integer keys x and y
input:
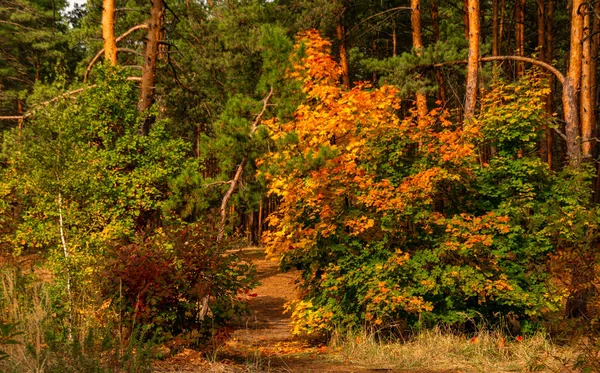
{"x": 520, "y": 34}
{"x": 571, "y": 85}
{"x": 473, "y": 59}
{"x": 415, "y": 21}
{"x": 108, "y": 31}
{"x": 587, "y": 85}
{"x": 150, "y": 58}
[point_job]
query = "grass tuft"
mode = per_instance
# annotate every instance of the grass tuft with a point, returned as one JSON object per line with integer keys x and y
{"x": 439, "y": 349}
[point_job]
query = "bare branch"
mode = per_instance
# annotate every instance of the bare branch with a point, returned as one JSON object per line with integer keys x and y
{"x": 101, "y": 52}
{"x": 532, "y": 61}
{"x": 378, "y": 14}
{"x": 64, "y": 95}
{"x": 240, "y": 169}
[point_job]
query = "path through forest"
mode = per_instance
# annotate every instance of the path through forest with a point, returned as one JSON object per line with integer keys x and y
{"x": 262, "y": 342}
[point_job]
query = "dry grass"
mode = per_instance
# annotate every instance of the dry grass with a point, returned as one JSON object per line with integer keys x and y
{"x": 442, "y": 350}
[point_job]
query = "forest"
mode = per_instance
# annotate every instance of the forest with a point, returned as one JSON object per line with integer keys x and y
{"x": 299, "y": 186}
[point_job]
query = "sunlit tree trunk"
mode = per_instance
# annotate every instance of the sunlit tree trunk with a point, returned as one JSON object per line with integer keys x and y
{"x": 571, "y": 86}
{"x": 108, "y": 31}
{"x": 587, "y": 90}
{"x": 150, "y": 59}
{"x": 466, "y": 17}
{"x": 473, "y": 59}
{"x": 415, "y": 20}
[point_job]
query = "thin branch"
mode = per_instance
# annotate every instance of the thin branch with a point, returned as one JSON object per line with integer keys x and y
{"x": 217, "y": 183}
{"x": 532, "y": 61}
{"x": 378, "y": 14}
{"x": 101, "y": 52}
{"x": 240, "y": 169}
{"x": 64, "y": 95}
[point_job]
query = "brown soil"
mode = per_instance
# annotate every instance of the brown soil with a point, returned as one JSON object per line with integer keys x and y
{"x": 263, "y": 342}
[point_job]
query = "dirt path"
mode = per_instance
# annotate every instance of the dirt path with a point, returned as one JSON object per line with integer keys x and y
{"x": 262, "y": 342}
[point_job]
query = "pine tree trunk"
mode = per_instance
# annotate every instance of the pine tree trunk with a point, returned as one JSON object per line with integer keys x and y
{"x": 108, "y": 31}
{"x": 520, "y": 34}
{"x": 586, "y": 108}
{"x": 495, "y": 29}
{"x": 541, "y": 48}
{"x": 549, "y": 57}
{"x": 150, "y": 59}
{"x": 435, "y": 19}
{"x": 571, "y": 86}
{"x": 473, "y": 59}
{"x": 415, "y": 20}
{"x": 341, "y": 34}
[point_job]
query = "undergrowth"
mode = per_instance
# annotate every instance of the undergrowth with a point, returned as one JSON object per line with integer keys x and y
{"x": 442, "y": 349}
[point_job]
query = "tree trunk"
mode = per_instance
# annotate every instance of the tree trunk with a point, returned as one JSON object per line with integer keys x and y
{"x": 394, "y": 40}
{"x": 415, "y": 20}
{"x": 435, "y": 19}
{"x": 466, "y": 17}
{"x": 495, "y": 29}
{"x": 549, "y": 57}
{"x": 520, "y": 34}
{"x": 341, "y": 35}
{"x": 571, "y": 86}
{"x": 541, "y": 48}
{"x": 108, "y": 31}
{"x": 150, "y": 58}
{"x": 587, "y": 91}
{"x": 473, "y": 59}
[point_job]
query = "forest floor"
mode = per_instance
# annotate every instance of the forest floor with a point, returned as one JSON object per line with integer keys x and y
{"x": 262, "y": 342}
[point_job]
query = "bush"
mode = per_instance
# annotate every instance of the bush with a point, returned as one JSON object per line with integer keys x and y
{"x": 172, "y": 280}
{"x": 398, "y": 220}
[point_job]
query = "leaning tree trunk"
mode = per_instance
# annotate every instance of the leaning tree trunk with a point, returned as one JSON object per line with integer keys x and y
{"x": 473, "y": 59}
{"x": 150, "y": 59}
{"x": 415, "y": 20}
{"x": 108, "y": 31}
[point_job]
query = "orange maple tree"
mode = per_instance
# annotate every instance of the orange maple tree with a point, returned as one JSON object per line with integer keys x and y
{"x": 376, "y": 209}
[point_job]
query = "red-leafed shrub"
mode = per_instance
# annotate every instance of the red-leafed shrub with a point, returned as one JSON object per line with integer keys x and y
{"x": 177, "y": 280}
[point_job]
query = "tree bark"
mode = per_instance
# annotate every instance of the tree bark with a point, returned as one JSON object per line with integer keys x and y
{"x": 341, "y": 35}
{"x": 108, "y": 31}
{"x": 549, "y": 57}
{"x": 541, "y": 48}
{"x": 473, "y": 59}
{"x": 571, "y": 86}
{"x": 520, "y": 34}
{"x": 495, "y": 29}
{"x": 587, "y": 91}
{"x": 415, "y": 20}
{"x": 150, "y": 59}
